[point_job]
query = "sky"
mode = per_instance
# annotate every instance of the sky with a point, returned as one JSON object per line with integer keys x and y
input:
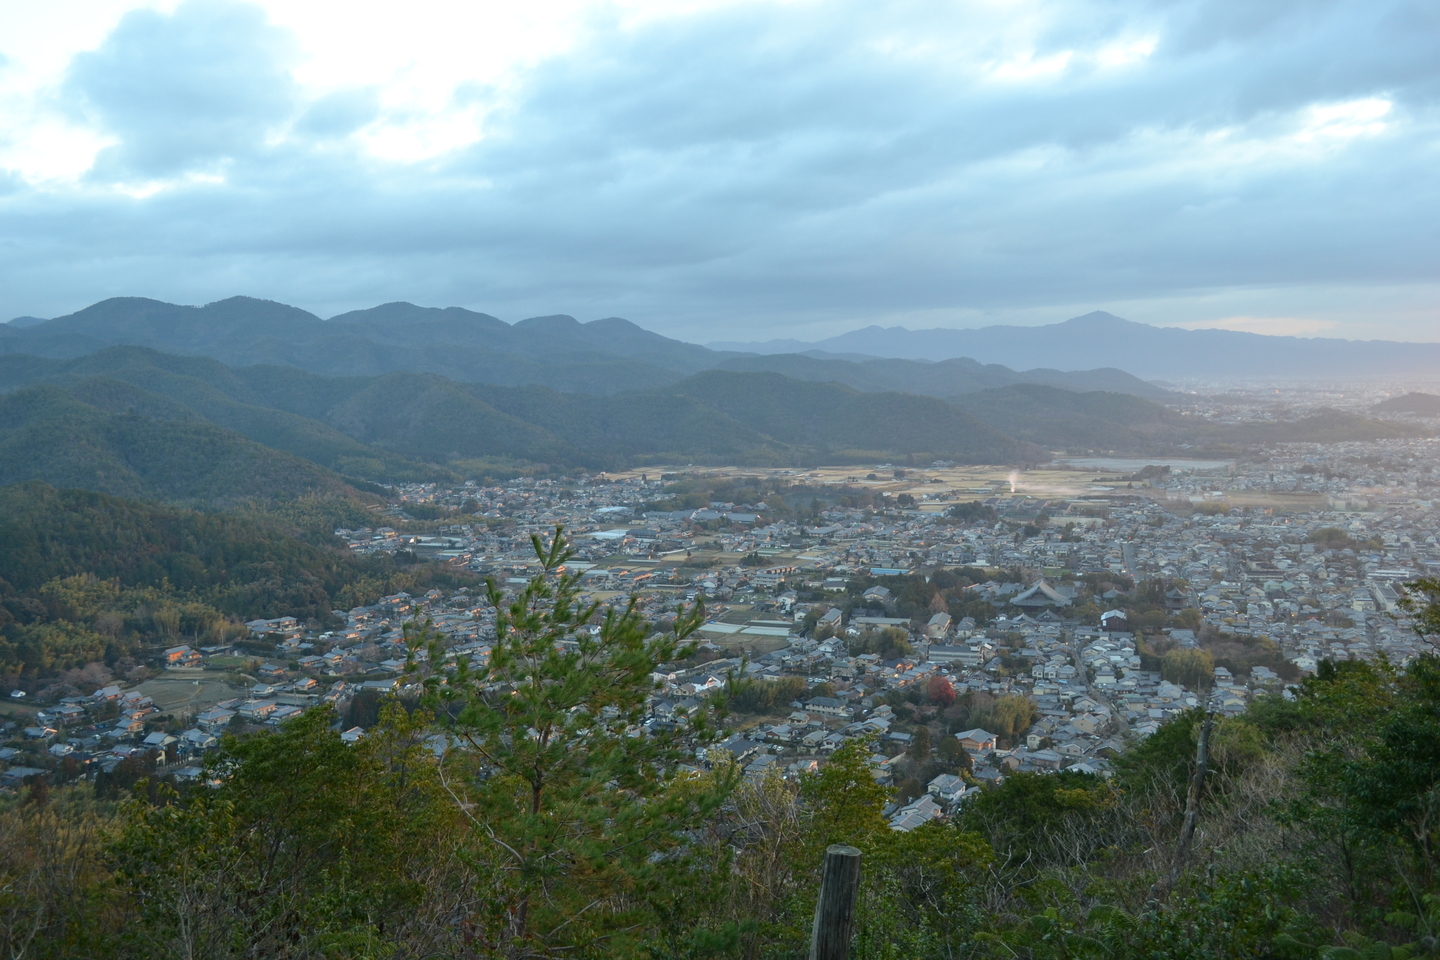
{"x": 721, "y": 170}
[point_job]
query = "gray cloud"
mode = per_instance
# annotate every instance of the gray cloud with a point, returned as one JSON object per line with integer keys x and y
{"x": 745, "y": 171}
{"x": 184, "y": 91}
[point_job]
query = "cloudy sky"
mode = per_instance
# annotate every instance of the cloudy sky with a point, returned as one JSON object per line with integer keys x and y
{"x": 721, "y": 170}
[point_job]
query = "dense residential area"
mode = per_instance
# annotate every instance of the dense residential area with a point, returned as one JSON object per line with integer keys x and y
{"x": 962, "y": 634}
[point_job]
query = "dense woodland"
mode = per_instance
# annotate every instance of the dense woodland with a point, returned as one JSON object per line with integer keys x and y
{"x": 87, "y": 578}
{"x": 536, "y": 825}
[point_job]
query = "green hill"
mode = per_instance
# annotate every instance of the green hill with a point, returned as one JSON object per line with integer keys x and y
{"x": 1064, "y": 419}
{"x": 400, "y": 426}
{"x": 839, "y": 421}
{"x": 106, "y": 435}
{"x": 207, "y": 389}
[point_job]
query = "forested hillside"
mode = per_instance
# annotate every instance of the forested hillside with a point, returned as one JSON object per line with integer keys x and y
{"x": 418, "y": 426}
{"x": 105, "y": 435}
{"x": 88, "y": 577}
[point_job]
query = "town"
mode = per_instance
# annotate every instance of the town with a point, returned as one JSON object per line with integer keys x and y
{"x": 964, "y": 622}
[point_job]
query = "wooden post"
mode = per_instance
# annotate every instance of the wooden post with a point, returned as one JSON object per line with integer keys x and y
{"x": 835, "y": 910}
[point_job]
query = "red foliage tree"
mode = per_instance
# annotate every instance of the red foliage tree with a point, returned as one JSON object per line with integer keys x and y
{"x": 941, "y": 692}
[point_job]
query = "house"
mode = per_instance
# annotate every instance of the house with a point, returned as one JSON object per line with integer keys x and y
{"x": 353, "y": 735}
{"x": 915, "y": 814}
{"x": 829, "y": 706}
{"x": 1114, "y": 621}
{"x": 739, "y": 750}
{"x": 181, "y": 656}
{"x": 198, "y": 740}
{"x": 68, "y": 713}
{"x": 281, "y": 625}
{"x": 1046, "y": 759}
{"x": 16, "y": 775}
{"x": 946, "y": 788}
{"x": 282, "y": 713}
{"x": 214, "y": 719}
{"x": 257, "y": 710}
{"x": 976, "y": 740}
{"x": 938, "y": 626}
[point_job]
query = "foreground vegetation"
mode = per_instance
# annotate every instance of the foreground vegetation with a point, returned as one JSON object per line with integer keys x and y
{"x": 510, "y": 811}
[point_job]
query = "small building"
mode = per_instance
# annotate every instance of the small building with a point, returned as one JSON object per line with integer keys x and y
{"x": 1115, "y": 621}
{"x": 181, "y": 656}
{"x": 977, "y": 740}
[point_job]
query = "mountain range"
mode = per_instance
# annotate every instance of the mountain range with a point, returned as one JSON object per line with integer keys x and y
{"x": 136, "y": 422}
{"x": 1101, "y": 339}
{"x": 600, "y": 357}
{"x": 145, "y": 399}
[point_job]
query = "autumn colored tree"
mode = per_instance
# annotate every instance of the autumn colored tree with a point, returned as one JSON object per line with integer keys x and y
{"x": 940, "y": 692}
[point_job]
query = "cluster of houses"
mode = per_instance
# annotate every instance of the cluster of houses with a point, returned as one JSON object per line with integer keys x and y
{"x": 1285, "y": 578}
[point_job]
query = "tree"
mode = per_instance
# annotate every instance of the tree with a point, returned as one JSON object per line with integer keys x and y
{"x": 920, "y": 745}
{"x": 845, "y": 800}
{"x": 579, "y": 807}
{"x": 1194, "y": 669}
{"x": 1422, "y": 602}
{"x": 941, "y": 692}
{"x": 308, "y": 847}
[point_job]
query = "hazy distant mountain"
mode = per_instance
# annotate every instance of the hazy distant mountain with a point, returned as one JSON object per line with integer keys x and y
{"x": 600, "y": 357}
{"x": 1420, "y": 404}
{"x": 944, "y": 379}
{"x": 1102, "y": 340}
{"x": 603, "y": 356}
{"x": 1100, "y": 421}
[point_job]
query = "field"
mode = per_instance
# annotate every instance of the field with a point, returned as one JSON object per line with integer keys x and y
{"x": 187, "y": 690}
{"x": 939, "y": 484}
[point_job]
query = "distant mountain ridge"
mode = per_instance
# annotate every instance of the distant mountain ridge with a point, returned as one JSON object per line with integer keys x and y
{"x": 1101, "y": 339}
{"x": 601, "y": 357}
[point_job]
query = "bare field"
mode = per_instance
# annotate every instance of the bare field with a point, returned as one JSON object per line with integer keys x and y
{"x": 951, "y": 484}
{"x": 188, "y": 690}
